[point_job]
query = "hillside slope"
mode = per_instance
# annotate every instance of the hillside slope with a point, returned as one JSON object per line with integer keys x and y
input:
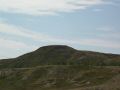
{"x": 60, "y": 55}
{"x": 59, "y": 67}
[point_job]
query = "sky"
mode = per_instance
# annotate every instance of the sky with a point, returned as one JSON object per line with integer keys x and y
{"x": 92, "y": 25}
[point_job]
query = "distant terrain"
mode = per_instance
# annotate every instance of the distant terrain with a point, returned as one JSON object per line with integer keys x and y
{"x": 60, "y": 67}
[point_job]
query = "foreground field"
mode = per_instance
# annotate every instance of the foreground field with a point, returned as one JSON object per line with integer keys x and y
{"x": 60, "y": 78}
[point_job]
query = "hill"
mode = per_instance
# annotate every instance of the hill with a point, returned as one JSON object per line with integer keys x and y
{"x": 60, "y": 67}
{"x": 60, "y": 55}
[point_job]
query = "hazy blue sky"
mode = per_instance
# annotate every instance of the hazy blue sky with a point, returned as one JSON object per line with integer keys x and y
{"x": 26, "y": 25}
